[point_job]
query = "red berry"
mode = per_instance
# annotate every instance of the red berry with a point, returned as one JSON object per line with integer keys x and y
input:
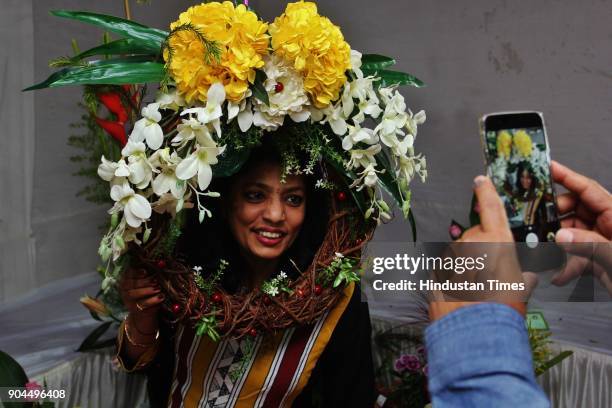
{"x": 161, "y": 264}
{"x": 300, "y": 293}
{"x": 341, "y": 196}
{"x": 267, "y": 300}
{"x": 216, "y": 297}
{"x": 176, "y": 308}
{"x": 253, "y": 332}
{"x": 318, "y": 289}
{"x": 279, "y": 87}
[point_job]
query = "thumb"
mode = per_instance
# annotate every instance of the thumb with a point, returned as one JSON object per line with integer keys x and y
{"x": 492, "y": 212}
{"x": 586, "y": 243}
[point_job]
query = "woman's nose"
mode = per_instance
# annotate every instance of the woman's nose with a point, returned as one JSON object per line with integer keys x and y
{"x": 275, "y": 210}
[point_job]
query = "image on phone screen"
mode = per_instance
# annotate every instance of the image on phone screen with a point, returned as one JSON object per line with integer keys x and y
{"x": 517, "y": 160}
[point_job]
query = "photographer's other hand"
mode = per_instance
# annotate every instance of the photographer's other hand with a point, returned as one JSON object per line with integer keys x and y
{"x": 586, "y": 211}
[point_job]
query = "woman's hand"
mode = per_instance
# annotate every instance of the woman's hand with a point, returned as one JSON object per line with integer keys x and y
{"x": 586, "y": 211}
{"x": 141, "y": 295}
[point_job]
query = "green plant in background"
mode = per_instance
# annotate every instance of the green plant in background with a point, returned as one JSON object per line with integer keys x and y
{"x": 539, "y": 340}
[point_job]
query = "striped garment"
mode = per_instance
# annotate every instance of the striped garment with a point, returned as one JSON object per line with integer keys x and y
{"x": 261, "y": 371}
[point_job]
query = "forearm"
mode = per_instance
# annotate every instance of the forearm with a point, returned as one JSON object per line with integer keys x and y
{"x": 479, "y": 355}
{"x": 136, "y": 346}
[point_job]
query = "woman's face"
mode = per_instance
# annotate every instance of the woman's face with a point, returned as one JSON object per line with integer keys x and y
{"x": 266, "y": 215}
{"x": 526, "y": 180}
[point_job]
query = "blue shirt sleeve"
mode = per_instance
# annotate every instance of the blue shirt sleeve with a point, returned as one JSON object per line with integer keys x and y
{"x": 479, "y": 356}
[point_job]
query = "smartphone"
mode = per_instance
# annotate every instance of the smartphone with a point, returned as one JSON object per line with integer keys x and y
{"x": 517, "y": 159}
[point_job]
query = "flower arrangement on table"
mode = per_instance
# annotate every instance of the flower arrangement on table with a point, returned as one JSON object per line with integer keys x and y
{"x": 227, "y": 77}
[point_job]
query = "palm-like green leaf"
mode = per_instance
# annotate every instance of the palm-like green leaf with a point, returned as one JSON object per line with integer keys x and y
{"x": 388, "y": 78}
{"x": 125, "y": 28}
{"x": 119, "y": 71}
{"x": 124, "y": 46}
{"x": 374, "y": 62}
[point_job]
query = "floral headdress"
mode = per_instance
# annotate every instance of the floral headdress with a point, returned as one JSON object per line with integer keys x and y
{"x": 227, "y": 77}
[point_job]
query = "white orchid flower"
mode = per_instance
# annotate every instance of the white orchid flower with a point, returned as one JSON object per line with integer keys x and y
{"x": 113, "y": 172}
{"x": 414, "y": 120}
{"x": 199, "y": 162}
{"x": 170, "y": 100}
{"x": 245, "y": 117}
{"x": 147, "y": 128}
{"x": 136, "y": 209}
{"x": 358, "y": 134}
{"x": 212, "y": 111}
{"x": 368, "y": 177}
{"x": 364, "y": 157}
{"x": 191, "y": 129}
{"x": 356, "y": 63}
{"x": 167, "y": 181}
{"x": 334, "y": 115}
{"x": 141, "y": 171}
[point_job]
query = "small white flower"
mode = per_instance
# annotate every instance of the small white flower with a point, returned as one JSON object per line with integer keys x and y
{"x": 282, "y": 275}
{"x": 136, "y": 209}
{"x": 199, "y": 162}
{"x": 114, "y": 173}
{"x": 339, "y": 255}
{"x": 367, "y": 177}
{"x": 212, "y": 112}
{"x": 197, "y": 269}
{"x": 191, "y": 129}
{"x": 363, "y": 157}
{"x": 147, "y": 128}
{"x": 141, "y": 171}
{"x": 272, "y": 291}
{"x": 358, "y": 134}
{"x": 170, "y": 100}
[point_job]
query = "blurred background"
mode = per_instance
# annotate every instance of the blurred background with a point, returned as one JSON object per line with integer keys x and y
{"x": 475, "y": 57}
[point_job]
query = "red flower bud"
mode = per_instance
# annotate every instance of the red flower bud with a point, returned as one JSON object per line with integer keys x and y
{"x": 279, "y": 87}
{"x": 318, "y": 289}
{"x": 115, "y": 129}
{"x": 114, "y": 104}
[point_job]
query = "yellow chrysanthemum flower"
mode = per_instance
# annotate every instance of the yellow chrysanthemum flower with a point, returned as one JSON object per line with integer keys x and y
{"x": 316, "y": 49}
{"x": 242, "y": 39}
{"x": 523, "y": 144}
{"x": 504, "y": 144}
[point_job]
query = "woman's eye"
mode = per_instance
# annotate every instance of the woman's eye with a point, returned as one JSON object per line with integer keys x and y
{"x": 253, "y": 196}
{"x": 295, "y": 200}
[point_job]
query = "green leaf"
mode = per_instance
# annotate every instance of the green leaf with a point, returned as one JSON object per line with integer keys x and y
{"x": 117, "y": 71}
{"x": 122, "y": 46}
{"x": 11, "y": 372}
{"x": 125, "y": 28}
{"x": 375, "y": 61}
{"x": 387, "y": 179}
{"x": 259, "y": 91}
{"x": 348, "y": 176}
{"x": 388, "y": 78}
{"x": 554, "y": 361}
{"x": 413, "y": 225}
{"x": 91, "y": 340}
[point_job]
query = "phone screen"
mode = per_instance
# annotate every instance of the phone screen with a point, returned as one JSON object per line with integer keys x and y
{"x": 518, "y": 162}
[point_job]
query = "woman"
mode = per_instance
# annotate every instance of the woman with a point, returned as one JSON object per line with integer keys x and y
{"x": 265, "y": 228}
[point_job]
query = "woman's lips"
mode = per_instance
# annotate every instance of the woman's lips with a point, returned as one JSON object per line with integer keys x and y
{"x": 268, "y": 238}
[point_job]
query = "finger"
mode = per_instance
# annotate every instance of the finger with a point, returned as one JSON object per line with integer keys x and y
{"x": 574, "y": 222}
{"x": 531, "y": 281}
{"x": 566, "y": 203}
{"x": 575, "y": 235}
{"x": 574, "y": 267}
{"x": 492, "y": 212}
{"x": 137, "y": 294}
{"x": 592, "y": 194}
{"x": 144, "y": 304}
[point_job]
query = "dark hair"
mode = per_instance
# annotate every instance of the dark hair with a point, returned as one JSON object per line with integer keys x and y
{"x": 206, "y": 243}
{"x": 525, "y": 166}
